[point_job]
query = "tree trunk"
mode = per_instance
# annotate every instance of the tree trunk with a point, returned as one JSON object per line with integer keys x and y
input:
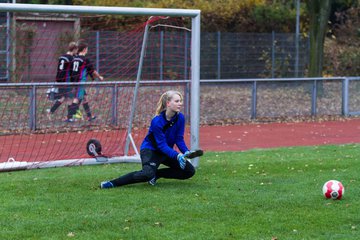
{"x": 319, "y": 11}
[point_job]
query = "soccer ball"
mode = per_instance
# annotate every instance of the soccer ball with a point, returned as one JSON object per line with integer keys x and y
{"x": 333, "y": 189}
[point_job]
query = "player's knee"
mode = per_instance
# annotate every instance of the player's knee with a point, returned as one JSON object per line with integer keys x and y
{"x": 149, "y": 172}
{"x": 146, "y": 173}
{"x": 189, "y": 171}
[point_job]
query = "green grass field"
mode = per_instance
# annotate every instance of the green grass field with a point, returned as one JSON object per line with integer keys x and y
{"x": 257, "y": 194}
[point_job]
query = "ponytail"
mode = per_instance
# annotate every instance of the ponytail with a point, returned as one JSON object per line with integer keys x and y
{"x": 166, "y": 97}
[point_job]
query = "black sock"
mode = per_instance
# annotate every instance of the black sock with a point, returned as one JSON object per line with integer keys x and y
{"x": 87, "y": 109}
{"x": 55, "y": 106}
{"x": 72, "y": 110}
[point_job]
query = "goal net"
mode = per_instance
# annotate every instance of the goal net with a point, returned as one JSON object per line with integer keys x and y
{"x": 140, "y": 53}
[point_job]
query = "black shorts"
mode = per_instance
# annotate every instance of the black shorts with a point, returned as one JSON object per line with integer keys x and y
{"x": 77, "y": 92}
{"x": 152, "y": 158}
{"x": 155, "y": 158}
{"x": 64, "y": 92}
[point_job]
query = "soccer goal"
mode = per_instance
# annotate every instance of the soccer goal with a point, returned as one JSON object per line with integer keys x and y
{"x": 140, "y": 52}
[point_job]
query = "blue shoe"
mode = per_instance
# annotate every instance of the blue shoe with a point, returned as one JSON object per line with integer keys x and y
{"x": 106, "y": 184}
{"x": 152, "y": 181}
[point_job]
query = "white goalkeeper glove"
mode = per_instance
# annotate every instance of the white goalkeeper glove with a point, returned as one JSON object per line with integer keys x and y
{"x": 182, "y": 160}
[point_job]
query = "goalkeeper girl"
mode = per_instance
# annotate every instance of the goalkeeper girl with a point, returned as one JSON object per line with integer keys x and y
{"x": 166, "y": 130}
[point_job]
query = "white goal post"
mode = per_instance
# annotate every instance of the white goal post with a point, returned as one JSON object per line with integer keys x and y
{"x": 194, "y": 46}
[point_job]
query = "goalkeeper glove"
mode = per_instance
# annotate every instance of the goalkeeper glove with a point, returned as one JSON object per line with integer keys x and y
{"x": 182, "y": 160}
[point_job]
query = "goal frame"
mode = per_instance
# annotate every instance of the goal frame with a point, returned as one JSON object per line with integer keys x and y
{"x": 131, "y": 11}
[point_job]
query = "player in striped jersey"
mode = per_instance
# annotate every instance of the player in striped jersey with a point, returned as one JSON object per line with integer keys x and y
{"x": 81, "y": 68}
{"x": 63, "y": 75}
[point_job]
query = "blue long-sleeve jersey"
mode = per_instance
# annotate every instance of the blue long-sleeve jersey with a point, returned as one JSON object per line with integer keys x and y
{"x": 164, "y": 134}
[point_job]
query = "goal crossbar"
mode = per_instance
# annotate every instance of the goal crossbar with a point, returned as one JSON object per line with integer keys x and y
{"x": 9, "y": 7}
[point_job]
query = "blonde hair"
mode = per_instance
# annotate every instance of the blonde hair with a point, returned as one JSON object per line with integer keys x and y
{"x": 166, "y": 97}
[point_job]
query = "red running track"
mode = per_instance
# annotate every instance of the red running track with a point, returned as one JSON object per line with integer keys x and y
{"x": 270, "y": 135}
{"x": 212, "y": 138}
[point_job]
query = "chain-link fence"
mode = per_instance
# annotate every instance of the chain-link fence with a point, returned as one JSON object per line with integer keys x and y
{"x": 253, "y": 55}
{"x": 231, "y": 55}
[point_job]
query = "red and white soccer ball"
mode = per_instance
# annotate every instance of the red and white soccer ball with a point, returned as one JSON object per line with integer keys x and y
{"x": 333, "y": 189}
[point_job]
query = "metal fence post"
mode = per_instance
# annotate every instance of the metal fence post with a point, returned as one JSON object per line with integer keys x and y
{"x": 273, "y": 54}
{"x": 8, "y": 57}
{"x": 98, "y": 51}
{"x": 161, "y": 55}
{"x": 313, "y": 98}
{"x": 345, "y": 97}
{"x": 97, "y": 57}
{"x": 32, "y": 108}
{"x": 253, "y": 100}
{"x": 114, "y": 112}
{"x": 297, "y": 35}
{"x": 219, "y": 55}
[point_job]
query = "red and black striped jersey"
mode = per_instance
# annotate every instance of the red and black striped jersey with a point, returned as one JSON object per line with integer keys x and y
{"x": 64, "y": 68}
{"x": 81, "y": 68}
